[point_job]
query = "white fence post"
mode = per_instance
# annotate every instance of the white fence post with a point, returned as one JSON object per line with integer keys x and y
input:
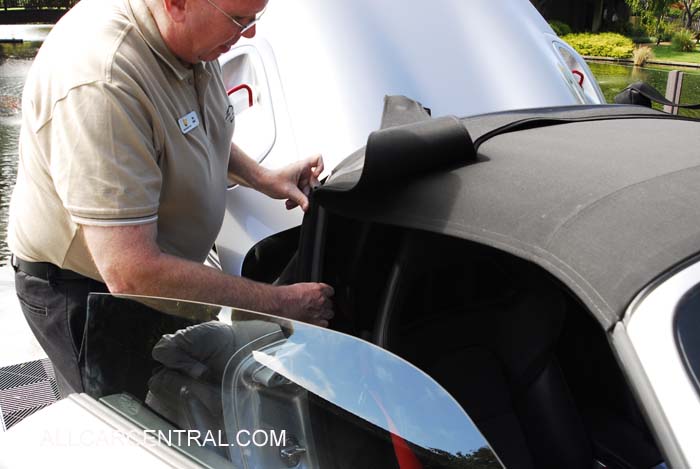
{"x": 674, "y": 85}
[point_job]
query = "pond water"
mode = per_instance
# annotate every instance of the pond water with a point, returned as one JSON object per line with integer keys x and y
{"x": 15, "y": 60}
{"x": 613, "y": 78}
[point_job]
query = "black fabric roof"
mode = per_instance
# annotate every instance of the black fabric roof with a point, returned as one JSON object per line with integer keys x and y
{"x": 606, "y": 198}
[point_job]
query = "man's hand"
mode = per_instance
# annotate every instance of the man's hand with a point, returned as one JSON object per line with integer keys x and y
{"x": 308, "y": 302}
{"x": 293, "y": 182}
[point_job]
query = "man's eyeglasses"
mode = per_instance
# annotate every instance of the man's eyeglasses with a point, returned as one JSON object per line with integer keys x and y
{"x": 243, "y": 28}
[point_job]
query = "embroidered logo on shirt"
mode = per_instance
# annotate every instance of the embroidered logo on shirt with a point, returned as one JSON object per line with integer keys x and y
{"x": 229, "y": 114}
{"x": 189, "y": 122}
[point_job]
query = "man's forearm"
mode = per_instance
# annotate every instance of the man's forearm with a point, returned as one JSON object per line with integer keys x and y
{"x": 172, "y": 277}
{"x": 244, "y": 170}
{"x": 130, "y": 262}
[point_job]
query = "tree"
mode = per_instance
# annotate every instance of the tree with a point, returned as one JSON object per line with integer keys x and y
{"x": 597, "y": 15}
{"x": 652, "y": 13}
{"x": 690, "y": 9}
{"x": 540, "y": 5}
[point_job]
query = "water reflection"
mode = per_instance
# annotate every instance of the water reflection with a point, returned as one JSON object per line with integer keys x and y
{"x": 15, "y": 60}
{"x": 26, "y": 32}
{"x": 613, "y": 78}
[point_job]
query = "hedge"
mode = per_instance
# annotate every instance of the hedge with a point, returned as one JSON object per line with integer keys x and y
{"x": 601, "y": 45}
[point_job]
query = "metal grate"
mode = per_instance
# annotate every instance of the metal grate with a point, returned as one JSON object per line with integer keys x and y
{"x": 26, "y": 388}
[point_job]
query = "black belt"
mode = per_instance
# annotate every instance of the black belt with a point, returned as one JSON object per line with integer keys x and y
{"x": 44, "y": 270}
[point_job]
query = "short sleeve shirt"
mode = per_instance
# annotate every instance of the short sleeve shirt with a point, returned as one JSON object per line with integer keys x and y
{"x": 117, "y": 131}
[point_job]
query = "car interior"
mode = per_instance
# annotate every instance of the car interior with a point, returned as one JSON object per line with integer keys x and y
{"x": 511, "y": 343}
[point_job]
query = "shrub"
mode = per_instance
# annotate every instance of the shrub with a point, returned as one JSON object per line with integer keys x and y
{"x": 643, "y": 39}
{"x": 683, "y": 41}
{"x": 665, "y": 31}
{"x": 635, "y": 29}
{"x": 560, "y": 28}
{"x": 641, "y": 54}
{"x": 601, "y": 45}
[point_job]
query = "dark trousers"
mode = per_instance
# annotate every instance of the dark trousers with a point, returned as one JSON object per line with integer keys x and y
{"x": 55, "y": 306}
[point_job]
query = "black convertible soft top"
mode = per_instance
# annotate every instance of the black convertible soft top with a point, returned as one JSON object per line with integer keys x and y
{"x": 606, "y": 198}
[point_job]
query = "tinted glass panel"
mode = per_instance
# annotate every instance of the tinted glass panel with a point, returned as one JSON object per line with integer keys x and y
{"x": 261, "y": 392}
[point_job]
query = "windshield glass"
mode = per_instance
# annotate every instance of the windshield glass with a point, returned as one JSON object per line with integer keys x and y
{"x": 232, "y": 388}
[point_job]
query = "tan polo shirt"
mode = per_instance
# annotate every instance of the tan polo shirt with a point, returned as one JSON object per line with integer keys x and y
{"x": 117, "y": 131}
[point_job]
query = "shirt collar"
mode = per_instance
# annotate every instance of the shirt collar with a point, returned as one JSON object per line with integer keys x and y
{"x": 142, "y": 18}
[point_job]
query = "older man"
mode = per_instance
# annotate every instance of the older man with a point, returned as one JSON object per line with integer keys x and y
{"x": 125, "y": 150}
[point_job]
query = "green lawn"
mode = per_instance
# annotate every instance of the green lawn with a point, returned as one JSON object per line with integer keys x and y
{"x": 666, "y": 52}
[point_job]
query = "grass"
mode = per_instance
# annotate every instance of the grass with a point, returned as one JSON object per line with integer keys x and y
{"x": 666, "y": 52}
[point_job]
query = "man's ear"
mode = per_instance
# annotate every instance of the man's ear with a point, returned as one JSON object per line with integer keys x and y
{"x": 176, "y": 9}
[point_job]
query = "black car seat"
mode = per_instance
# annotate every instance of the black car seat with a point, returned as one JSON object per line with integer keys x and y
{"x": 496, "y": 359}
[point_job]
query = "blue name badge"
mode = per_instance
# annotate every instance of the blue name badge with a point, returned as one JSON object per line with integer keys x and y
{"x": 189, "y": 122}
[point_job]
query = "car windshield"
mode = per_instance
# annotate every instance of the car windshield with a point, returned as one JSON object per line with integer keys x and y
{"x": 232, "y": 388}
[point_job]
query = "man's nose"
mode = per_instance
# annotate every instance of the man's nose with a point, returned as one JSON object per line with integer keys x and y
{"x": 250, "y": 33}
